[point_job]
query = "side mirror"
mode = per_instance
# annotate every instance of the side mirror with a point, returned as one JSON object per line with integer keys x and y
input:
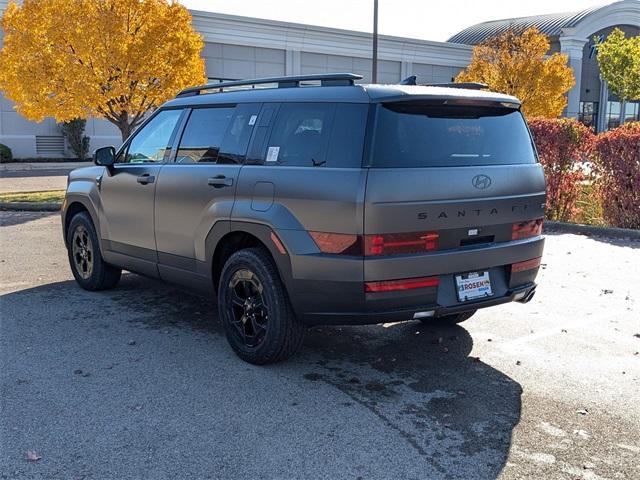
{"x": 105, "y": 156}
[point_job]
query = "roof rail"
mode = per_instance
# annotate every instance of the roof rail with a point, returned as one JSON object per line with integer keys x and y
{"x": 326, "y": 79}
{"x": 467, "y": 85}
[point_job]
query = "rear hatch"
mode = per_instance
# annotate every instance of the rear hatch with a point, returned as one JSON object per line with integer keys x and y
{"x": 464, "y": 171}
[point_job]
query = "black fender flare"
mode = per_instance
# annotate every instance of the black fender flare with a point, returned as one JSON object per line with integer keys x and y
{"x": 89, "y": 207}
{"x": 260, "y": 231}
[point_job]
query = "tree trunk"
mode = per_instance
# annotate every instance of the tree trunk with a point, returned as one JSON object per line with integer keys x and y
{"x": 125, "y": 130}
{"x": 125, "y": 124}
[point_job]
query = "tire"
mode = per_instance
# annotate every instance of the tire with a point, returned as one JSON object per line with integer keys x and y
{"x": 85, "y": 258}
{"x": 449, "y": 319}
{"x": 254, "y": 307}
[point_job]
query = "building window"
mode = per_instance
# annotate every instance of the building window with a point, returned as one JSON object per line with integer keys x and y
{"x": 632, "y": 112}
{"x": 588, "y": 114}
{"x": 613, "y": 114}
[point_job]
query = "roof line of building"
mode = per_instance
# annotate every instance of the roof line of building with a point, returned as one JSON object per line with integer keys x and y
{"x": 310, "y": 27}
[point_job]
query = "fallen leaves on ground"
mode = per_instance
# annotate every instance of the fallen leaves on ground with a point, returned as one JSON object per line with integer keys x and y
{"x": 32, "y": 456}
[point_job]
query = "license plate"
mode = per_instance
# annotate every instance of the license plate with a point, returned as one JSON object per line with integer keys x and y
{"x": 473, "y": 285}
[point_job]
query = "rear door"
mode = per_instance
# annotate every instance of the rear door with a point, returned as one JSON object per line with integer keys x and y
{"x": 198, "y": 187}
{"x": 304, "y": 174}
{"x": 465, "y": 172}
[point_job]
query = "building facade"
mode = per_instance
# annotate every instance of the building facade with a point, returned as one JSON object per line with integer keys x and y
{"x": 576, "y": 34}
{"x": 243, "y": 47}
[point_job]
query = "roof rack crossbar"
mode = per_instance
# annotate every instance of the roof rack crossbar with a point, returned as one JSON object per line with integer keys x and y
{"x": 326, "y": 79}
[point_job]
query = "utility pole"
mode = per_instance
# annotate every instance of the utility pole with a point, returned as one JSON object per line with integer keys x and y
{"x": 374, "y": 63}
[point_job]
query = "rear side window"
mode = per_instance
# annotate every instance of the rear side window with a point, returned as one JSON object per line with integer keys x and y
{"x": 424, "y": 135}
{"x": 300, "y": 135}
{"x": 203, "y": 135}
{"x": 347, "y": 139}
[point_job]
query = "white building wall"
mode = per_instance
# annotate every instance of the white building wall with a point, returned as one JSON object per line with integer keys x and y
{"x": 237, "y": 61}
{"x": 242, "y": 47}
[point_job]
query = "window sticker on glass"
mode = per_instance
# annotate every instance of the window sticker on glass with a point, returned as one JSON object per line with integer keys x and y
{"x": 272, "y": 154}
{"x": 252, "y": 119}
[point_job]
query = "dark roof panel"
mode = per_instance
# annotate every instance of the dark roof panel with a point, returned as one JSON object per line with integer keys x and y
{"x": 353, "y": 94}
{"x": 550, "y": 24}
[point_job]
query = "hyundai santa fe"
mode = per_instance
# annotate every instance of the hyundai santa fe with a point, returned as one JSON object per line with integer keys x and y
{"x": 314, "y": 200}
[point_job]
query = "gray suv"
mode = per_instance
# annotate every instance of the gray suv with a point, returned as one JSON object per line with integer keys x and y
{"x": 311, "y": 200}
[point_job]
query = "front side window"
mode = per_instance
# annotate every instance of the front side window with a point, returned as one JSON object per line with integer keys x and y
{"x": 153, "y": 141}
{"x": 203, "y": 135}
{"x": 301, "y": 135}
{"x": 426, "y": 135}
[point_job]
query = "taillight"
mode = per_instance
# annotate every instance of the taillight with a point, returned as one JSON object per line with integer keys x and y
{"x": 526, "y": 265}
{"x": 530, "y": 228}
{"x": 375, "y": 245}
{"x": 399, "y": 243}
{"x": 338, "y": 243}
{"x": 406, "y": 284}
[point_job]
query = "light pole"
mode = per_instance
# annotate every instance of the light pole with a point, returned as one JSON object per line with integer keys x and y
{"x": 374, "y": 63}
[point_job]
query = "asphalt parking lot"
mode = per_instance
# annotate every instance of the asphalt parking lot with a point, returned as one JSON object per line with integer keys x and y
{"x": 139, "y": 382}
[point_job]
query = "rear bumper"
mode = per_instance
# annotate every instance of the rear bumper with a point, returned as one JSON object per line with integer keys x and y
{"x": 329, "y": 289}
{"x": 521, "y": 294}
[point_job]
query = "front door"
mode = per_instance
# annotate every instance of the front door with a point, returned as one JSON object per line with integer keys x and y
{"x": 127, "y": 192}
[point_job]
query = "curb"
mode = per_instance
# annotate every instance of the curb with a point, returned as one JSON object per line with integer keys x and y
{"x": 30, "y": 206}
{"x": 589, "y": 230}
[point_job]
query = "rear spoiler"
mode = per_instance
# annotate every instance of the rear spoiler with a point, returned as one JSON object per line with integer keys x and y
{"x": 413, "y": 80}
{"x": 453, "y": 100}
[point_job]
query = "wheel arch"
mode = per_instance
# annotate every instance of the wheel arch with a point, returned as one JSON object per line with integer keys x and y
{"x": 224, "y": 240}
{"x": 74, "y": 205}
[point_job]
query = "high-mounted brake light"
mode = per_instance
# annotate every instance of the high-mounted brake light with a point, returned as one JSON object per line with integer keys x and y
{"x": 526, "y": 265}
{"x": 400, "y": 243}
{"x": 406, "y": 284}
{"x": 530, "y": 228}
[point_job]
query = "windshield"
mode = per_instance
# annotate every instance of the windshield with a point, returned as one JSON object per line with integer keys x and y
{"x": 424, "y": 135}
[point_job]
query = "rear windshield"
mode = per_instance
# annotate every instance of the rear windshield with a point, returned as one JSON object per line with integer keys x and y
{"x": 423, "y": 135}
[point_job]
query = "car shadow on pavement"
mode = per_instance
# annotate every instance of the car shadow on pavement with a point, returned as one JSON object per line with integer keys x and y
{"x": 451, "y": 414}
{"x": 10, "y": 218}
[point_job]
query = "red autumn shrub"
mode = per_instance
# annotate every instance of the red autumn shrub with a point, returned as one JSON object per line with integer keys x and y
{"x": 617, "y": 164}
{"x": 564, "y": 146}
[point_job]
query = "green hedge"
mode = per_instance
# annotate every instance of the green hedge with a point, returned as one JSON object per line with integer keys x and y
{"x": 5, "y": 154}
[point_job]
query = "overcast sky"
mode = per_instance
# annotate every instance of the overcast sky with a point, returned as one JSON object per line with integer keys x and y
{"x": 424, "y": 19}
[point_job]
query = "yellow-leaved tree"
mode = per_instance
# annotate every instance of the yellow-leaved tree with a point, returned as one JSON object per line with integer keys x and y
{"x": 516, "y": 63}
{"x": 114, "y": 59}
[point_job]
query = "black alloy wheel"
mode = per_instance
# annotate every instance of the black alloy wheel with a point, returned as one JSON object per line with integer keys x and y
{"x": 255, "y": 310}
{"x": 82, "y": 251}
{"x": 250, "y": 312}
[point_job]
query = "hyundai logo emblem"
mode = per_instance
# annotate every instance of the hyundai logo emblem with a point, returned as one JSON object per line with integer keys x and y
{"x": 481, "y": 181}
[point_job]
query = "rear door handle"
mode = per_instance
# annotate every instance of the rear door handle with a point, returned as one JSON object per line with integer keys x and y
{"x": 145, "y": 179}
{"x": 220, "y": 181}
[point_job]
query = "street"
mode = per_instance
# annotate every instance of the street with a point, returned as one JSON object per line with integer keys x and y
{"x": 139, "y": 382}
{"x": 31, "y": 177}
